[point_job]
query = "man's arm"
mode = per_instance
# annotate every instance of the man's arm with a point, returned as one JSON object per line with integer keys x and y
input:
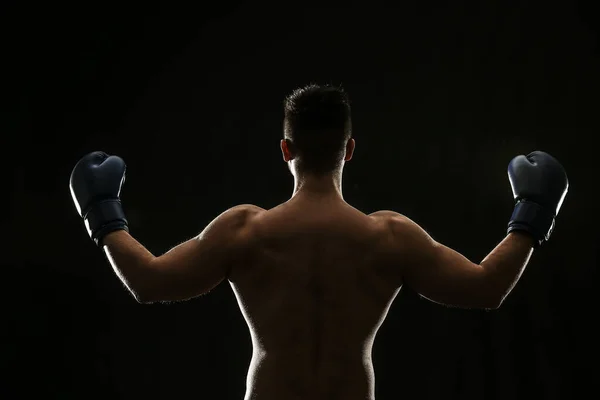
{"x": 445, "y": 276}
{"x": 539, "y": 185}
{"x": 188, "y": 270}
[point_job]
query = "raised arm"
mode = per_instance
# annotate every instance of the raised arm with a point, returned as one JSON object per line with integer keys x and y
{"x": 445, "y": 276}
{"x": 188, "y": 270}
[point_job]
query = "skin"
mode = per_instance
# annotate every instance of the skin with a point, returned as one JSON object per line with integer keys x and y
{"x": 314, "y": 278}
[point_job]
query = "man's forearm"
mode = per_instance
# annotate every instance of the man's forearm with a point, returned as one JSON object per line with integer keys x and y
{"x": 130, "y": 261}
{"x": 507, "y": 261}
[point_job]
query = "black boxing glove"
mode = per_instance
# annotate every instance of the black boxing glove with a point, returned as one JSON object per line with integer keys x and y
{"x": 95, "y": 186}
{"x": 539, "y": 184}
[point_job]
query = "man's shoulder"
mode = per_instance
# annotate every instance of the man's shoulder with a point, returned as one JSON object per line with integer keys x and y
{"x": 396, "y": 225}
{"x": 383, "y": 214}
{"x": 241, "y": 215}
{"x": 245, "y": 210}
{"x": 388, "y": 217}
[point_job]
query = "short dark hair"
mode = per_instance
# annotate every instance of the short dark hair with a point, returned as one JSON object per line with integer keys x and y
{"x": 318, "y": 123}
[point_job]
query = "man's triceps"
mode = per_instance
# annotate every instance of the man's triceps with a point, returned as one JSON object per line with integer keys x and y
{"x": 438, "y": 272}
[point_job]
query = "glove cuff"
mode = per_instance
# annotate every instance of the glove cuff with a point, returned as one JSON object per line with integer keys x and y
{"x": 105, "y": 217}
{"x": 532, "y": 218}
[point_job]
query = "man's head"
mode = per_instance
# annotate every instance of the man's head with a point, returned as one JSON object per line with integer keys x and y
{"x": 317, "y": 130}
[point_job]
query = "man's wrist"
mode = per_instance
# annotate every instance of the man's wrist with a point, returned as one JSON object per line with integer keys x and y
{"x": 110, "y": 230}
{"x": 523, "y": 236}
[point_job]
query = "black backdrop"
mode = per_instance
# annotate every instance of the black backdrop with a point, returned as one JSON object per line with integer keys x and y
{"x": 443, "y": 97}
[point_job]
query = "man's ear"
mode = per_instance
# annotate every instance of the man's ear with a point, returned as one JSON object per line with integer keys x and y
{"x": 286, "y": 150}
{"x": 349, "y": 149}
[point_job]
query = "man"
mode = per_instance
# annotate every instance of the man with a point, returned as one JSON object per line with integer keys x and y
{"x": 314, "y": 277}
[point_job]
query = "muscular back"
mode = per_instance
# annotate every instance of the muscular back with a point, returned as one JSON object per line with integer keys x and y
{"x": 314, "y": 288}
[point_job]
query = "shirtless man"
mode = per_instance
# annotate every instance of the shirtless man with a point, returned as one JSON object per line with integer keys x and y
{"x": 314, "y": 277}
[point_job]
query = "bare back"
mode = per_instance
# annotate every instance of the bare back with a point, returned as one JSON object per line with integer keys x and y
{"x": 314, "y": 289}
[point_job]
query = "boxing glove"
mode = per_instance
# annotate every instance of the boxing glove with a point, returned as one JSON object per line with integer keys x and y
{"x": 95, "y": 186}
{"x": 539, "y": 185}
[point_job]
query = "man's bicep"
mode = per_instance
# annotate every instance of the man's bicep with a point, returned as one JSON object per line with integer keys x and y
{"x": 438, "y": 272}
{"x": 196, "y": 266}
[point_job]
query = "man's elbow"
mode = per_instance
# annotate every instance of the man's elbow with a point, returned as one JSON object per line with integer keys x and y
{"x": 142, "y": 298}
{"x": 143, "y": 295}
{"x": 154, "y": 288}
{"x": 157, "y": 294}
{"x": 491, "y": 307}
{"x": 494, "y": 303}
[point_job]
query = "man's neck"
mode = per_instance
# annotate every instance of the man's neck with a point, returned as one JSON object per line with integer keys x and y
{"x": 328, "y": 186}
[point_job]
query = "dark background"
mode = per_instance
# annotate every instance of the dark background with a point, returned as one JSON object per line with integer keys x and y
{"x": 443, "y": 97}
